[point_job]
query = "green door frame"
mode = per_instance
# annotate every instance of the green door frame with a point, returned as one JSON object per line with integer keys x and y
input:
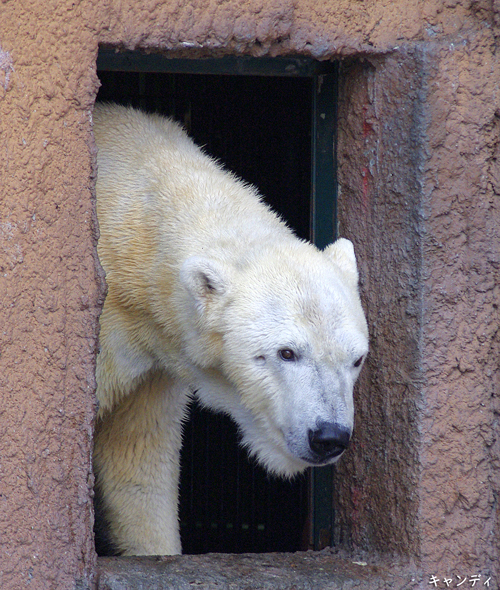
{"x": 323, "y": 215}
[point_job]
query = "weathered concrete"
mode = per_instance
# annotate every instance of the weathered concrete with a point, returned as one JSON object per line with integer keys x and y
{"x": 419, "y": 196}
{"x": 380, "y": 132}
{"x": 268, "y": 571}
{"x": 50, "y": 291}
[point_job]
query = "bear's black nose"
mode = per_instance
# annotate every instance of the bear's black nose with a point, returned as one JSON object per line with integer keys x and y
{"x": 329, "y": 440}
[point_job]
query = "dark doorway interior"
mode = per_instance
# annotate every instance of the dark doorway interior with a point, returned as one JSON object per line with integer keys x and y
{"x": 260, "y": 128}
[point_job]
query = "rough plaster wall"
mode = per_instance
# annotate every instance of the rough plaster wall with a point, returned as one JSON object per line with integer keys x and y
{"x": 277, "y": 27}
{"x": 49, "y": 291}
{"x": 419, "y": 177}
{"x": 50, "y": 285}
{"x": 379, "y": 135}
{"x": 461, "y": 290}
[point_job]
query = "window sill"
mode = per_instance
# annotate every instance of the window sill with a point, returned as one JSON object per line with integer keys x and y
{"x": 284, "y": 571}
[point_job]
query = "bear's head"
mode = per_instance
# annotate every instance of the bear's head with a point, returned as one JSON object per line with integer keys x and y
{"x": 277, "y": 342}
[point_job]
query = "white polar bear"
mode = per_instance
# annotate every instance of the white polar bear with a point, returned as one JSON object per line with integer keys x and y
{"x": 210, "y": 293}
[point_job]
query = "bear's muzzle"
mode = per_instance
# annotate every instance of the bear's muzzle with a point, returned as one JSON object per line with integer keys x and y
{"x": 329, "y": 440}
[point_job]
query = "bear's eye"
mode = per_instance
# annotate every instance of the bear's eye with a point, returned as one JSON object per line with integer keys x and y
{"x": 358, "y": 362}
{"x": 287, "y": 354}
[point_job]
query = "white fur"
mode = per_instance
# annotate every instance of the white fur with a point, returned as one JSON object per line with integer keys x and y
{"x": 205, "y": 286}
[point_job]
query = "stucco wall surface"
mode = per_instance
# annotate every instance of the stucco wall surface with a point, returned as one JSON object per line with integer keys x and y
{"x": 49, "y": 295}
{"x": 276, "y": 27}
{"x": 461, "y": 289}
{"x": 380, "y": 131}
{"x": 419, "y": 140}
{"x": 419, "y": 174}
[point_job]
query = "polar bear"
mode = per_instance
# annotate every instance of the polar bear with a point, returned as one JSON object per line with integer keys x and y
{"x": 209, "y": 294}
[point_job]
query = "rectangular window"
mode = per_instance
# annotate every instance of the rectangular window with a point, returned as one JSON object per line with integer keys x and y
{"x": 272, "y": 122}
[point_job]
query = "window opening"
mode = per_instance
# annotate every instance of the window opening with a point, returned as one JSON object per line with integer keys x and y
{"x": 272, "y": 122}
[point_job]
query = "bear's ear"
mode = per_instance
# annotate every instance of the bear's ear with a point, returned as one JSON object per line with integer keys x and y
{"x": 204, "y": 279}
{"x": 341, "y": 253}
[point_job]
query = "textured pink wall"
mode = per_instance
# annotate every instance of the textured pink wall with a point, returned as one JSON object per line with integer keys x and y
{"x": 380, "y": 130}
{"x": 49, "y": 291}
{"x": 419, "y": 146}
{"x": 461, "y": 292}
{"x": 419, "y": 143}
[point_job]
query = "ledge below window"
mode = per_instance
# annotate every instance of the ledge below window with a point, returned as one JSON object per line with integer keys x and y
{"x": 268, "y": 571}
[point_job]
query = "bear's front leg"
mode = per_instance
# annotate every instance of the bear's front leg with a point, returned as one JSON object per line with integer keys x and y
{"x": 136, "y": 463}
